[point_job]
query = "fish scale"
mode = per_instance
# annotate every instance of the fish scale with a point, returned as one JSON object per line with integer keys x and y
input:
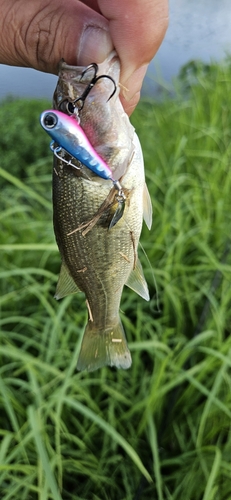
{"x": 85, "y": 206}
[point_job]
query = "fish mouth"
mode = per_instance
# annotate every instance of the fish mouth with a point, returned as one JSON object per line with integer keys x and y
{"x": 75, "y": 82}
{"x": 63, "y": 66}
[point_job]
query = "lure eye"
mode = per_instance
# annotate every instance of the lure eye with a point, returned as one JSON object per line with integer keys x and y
{"x": 50, "y": 120}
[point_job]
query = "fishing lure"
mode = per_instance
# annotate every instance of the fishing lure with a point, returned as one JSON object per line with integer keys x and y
{"x": 68, "y": 135}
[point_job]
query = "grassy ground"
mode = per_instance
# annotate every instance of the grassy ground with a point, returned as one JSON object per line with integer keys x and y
{"x": 162, "y": 429}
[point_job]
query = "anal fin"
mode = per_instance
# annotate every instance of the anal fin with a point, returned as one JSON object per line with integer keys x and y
{"x": 66, "y": 285}
{"x": 137, "y": 282}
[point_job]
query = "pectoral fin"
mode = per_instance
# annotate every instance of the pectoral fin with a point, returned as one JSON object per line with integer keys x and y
{"x": 118, "y": 214}
{"x": 147, "y": 207}
{"x": 66, "y": 284}
{"x": 137, "y": 282}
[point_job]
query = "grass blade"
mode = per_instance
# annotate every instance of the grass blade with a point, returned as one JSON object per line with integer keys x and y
{"x": 50, "y": 478}
{"x": 106, "y": 427}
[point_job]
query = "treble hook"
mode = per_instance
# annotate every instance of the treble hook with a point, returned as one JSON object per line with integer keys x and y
{"x": 58, "y": 149}
{"x": 72, "y": 105}
{"x": 95, "y": 79}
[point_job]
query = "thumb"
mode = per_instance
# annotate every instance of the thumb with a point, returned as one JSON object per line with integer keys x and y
{"x": 38, "y": 34}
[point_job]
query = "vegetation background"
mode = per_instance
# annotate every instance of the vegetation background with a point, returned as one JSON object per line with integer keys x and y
{"x": 160, "y": 430}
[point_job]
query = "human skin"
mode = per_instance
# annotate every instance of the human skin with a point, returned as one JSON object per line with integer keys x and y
{"x": 38, "y": 33}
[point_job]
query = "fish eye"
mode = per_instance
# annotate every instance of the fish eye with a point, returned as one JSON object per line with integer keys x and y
{"x": 70, "y": 108}
{"x": 50, "y": 120}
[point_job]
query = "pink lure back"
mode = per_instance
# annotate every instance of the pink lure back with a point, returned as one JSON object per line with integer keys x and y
{"x": 69, "y": 135}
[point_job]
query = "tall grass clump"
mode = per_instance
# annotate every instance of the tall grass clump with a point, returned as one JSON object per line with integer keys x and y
{"x": 160, "y": 430}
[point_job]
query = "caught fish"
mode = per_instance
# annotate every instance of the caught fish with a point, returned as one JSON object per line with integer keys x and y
{"x": 97, "y": 260}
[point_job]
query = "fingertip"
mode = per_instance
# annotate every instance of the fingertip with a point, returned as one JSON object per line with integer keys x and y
{"x": 129, "y": 106}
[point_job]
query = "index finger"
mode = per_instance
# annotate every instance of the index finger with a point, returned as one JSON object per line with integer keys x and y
{"x": 137, "y": 28}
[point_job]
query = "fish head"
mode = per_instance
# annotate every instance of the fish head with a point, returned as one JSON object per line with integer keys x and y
{"x": 102, "y": 118}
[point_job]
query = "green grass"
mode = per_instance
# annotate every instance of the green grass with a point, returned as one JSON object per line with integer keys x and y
{"x": 160, "y": 430}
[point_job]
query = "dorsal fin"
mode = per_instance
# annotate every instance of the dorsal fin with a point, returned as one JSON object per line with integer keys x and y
{"x": 66, "y": 284}
{"x": 137, "y": 282}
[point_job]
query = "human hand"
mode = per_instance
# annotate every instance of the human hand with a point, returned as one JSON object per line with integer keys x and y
{"x": 37, "y": 34}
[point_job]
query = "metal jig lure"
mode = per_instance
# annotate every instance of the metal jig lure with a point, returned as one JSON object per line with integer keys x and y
{"x": 67, "y": 135}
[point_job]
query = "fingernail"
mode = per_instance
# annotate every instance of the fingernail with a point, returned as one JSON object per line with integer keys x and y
{"x": 95, "y": 45}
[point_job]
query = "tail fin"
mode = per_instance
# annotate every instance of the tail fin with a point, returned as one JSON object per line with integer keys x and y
{"x": 106, "y": 347}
